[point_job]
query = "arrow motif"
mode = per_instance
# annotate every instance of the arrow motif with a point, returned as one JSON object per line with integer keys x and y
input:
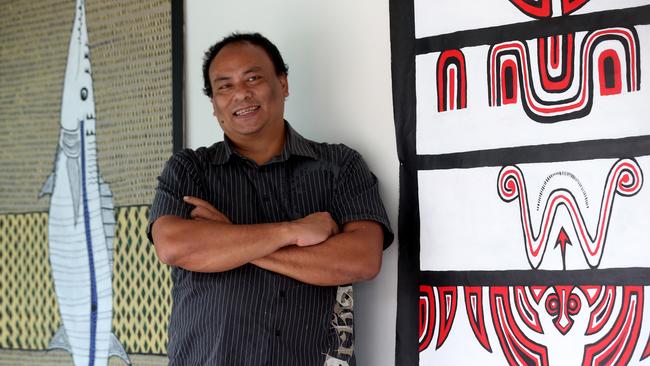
{"x": 562, "y": 240}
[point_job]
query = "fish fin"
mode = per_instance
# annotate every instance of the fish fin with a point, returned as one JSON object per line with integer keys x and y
{"x": 74, "y": 179}
{"x": 108, "y": 217}
{"x": 116, "y": 349}
{"x": 60, "y": 341}
{"x": 48, "y": 186}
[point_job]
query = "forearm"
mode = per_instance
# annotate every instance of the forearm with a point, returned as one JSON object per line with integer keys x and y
{"x": 351, "y": 256}
{"x": 212, "y": 246}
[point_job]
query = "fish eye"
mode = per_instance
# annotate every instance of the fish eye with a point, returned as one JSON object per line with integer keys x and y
{"x": 84, "y": 93}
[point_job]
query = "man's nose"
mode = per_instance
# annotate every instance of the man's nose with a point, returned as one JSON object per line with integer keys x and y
{"x": 242, "y": 91}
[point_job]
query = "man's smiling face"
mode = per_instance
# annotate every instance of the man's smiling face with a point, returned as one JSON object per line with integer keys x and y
{"x": 247, "y": 94}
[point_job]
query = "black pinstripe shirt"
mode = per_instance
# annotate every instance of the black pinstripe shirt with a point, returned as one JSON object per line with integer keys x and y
{"x": 248, "y": 315}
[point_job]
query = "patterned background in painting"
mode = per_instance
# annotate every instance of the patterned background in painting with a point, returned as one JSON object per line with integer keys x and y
{"x": 524, "y": 140}
{"x": 130, "y": 50}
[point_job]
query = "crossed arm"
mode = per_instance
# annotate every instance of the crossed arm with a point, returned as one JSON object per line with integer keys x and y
{"x": 311, "y": 249}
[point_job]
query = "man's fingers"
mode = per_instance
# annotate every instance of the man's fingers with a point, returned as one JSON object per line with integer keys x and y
{"x": 221, "y": 217}
{"x": 197, "y": 202}
{"x": 335, "y": 228}
{"x": 315, "y": 228}
{"x": 205, "y": 210}
{"x": 202, "y": 213}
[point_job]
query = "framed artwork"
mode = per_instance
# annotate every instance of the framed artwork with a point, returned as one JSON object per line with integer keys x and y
{"x": 524, "y": 140}
{"x": 90, "y": 110}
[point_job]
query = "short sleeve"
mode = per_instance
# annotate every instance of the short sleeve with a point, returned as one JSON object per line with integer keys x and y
{"x": 356, "y": 196}
{"x": 178, "y": 179}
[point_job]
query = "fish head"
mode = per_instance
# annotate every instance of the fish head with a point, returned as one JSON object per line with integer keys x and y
{"x": 78, "y": 102}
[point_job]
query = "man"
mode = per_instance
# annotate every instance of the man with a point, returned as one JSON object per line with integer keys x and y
{"x": 265, "y": 229}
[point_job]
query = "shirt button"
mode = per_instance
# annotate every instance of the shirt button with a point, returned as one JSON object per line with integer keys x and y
{"x": 278, "y": 333}
{"x": 282, "y": 293}
{"x": 265, "y": 198}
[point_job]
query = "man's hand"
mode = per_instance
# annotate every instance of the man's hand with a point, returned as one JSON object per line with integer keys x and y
{"x": 205, "y": 211}
{"x": 314, "y": 229}
{"x": 351, "y": 256}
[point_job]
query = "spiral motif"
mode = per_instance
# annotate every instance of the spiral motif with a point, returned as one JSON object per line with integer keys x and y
{"x": 510, "y": 183}
{"x": 628, "y": 177}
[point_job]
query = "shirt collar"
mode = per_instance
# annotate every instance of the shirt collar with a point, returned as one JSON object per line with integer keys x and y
{"x": 294, "y": 144}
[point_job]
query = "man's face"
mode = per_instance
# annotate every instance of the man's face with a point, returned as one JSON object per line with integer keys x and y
{"x": 247, "y": 94}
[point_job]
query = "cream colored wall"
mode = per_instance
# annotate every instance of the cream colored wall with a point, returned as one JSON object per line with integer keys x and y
{"x": 340, "y": 91}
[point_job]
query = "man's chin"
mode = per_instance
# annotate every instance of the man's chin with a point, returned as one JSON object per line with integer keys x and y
{"x": 243, "y": 125}
{"x": 251, "y": 131}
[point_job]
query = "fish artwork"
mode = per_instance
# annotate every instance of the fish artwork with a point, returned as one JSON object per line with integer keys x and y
{"x": 81, "y": 223}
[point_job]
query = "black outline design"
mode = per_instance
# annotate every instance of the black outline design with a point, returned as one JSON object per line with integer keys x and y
{"x": 547, "y": 51}
{"x": 446, "y": 60}
{"x": 624, "y": 178}
{"x": 404, "y": 48}
{"x": 575, "y": 106}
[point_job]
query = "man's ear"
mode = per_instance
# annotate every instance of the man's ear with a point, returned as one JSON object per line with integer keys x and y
{"x": 285, "y": 84}
{"x": 214, "y": 108}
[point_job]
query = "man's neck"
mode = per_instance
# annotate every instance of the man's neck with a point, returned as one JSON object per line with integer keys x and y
{"x": 262, "y": 148}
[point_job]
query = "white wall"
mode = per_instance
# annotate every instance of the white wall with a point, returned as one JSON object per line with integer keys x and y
{"x": 340, "y": 91}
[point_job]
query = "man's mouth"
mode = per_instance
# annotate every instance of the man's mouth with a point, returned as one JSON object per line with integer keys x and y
{"x": 246, "y": 111}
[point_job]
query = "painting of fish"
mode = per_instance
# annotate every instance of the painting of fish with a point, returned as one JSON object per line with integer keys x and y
{"x": 81, "y": 222}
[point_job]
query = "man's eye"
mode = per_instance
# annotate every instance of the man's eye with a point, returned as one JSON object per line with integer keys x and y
{"x": 253, "y": 78}
{"x": 224, "y": 87}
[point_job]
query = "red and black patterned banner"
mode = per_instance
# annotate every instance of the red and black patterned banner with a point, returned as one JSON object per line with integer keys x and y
{"x": 523, "y": 132}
